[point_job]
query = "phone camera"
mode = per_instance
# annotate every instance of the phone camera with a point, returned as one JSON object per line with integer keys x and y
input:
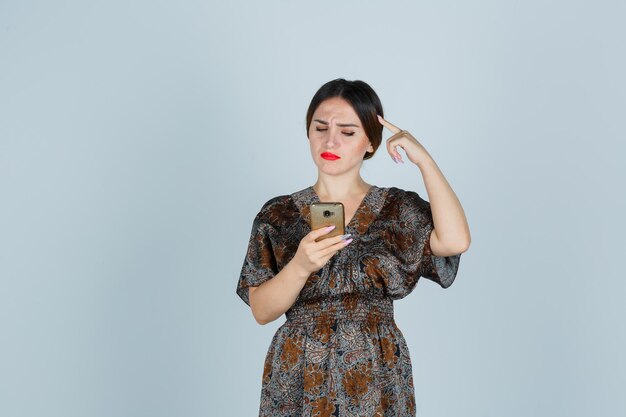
{"x": 327, "y": 213}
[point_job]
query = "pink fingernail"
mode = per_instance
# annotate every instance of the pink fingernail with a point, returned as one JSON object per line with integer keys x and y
{"x": 331, "y": 227}
{"x": 347, "y": 241}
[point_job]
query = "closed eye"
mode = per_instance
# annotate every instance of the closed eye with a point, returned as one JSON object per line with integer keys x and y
{"x": 345, "y": 133}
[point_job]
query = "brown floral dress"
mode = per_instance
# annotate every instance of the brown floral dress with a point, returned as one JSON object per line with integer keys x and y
{"x": 340, "y": 352}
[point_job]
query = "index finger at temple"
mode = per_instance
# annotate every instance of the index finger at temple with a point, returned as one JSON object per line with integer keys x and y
{"x": 393, "y": 128}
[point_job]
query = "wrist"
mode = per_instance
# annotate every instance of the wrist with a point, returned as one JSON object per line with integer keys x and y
{"x": 426, "y": 162}
{"x": 297, "y": 270}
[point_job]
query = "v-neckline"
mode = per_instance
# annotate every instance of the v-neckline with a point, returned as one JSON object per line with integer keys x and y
{"x": 359, "y": 208}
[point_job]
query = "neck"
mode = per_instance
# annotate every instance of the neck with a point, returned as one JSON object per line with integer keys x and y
{"x": 340, "y": 187}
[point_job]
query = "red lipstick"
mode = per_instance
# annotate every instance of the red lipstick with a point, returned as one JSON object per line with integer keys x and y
{"x": 330, "y": 156}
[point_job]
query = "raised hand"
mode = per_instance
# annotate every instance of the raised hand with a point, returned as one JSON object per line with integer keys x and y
{"x": 413, "y": 149}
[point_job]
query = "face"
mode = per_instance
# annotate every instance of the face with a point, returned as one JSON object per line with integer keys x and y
{"x": 337, "y": 138}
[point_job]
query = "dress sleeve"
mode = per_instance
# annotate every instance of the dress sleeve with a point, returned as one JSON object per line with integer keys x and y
{"x": 440, "y": 269}
{"x": 412, "y": 247}
{"x": 259, "y": 264}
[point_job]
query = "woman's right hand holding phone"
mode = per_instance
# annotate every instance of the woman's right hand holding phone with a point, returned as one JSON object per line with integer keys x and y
{"x": 311, "y": 256}
{"x": 274, "y": 297}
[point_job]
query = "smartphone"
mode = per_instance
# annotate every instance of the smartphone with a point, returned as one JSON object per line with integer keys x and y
{"x": 327, "y": 214}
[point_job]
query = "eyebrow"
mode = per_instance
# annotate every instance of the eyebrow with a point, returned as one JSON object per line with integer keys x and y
{"x": 338, "y": 124}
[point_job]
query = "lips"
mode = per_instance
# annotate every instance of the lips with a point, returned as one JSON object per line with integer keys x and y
{"x": 330, "y": 156}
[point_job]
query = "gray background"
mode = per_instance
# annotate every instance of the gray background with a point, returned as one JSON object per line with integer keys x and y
{"x": 139, "y": 139}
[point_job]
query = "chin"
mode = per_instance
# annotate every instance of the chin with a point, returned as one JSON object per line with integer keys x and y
{"x": 331, "y": 167}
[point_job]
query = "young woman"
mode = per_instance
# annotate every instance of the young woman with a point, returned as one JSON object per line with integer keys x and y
{"x": 340, "y": 352}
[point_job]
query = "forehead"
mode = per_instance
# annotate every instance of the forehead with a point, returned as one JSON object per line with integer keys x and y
{"x": 336, "y": 108}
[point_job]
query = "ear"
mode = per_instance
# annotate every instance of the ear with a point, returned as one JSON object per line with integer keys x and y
{"x": 370, "y": 149}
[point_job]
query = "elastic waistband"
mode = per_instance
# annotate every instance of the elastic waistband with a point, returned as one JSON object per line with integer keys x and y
{"x": 356, "y": 307}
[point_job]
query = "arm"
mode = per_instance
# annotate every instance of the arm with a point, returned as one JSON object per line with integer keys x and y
{"x": 271, "y": 299}
{"x": 274, "y": 297}
{"x": 450, "y": 234}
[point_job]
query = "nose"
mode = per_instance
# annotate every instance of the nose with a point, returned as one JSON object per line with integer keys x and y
{"x": 332, "y": 139}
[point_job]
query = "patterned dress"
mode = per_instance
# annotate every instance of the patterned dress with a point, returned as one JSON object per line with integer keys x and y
{"x": 340, "y": 352}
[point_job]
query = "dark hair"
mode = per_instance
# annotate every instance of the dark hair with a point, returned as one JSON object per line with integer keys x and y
{"x": 363, "y": 100}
